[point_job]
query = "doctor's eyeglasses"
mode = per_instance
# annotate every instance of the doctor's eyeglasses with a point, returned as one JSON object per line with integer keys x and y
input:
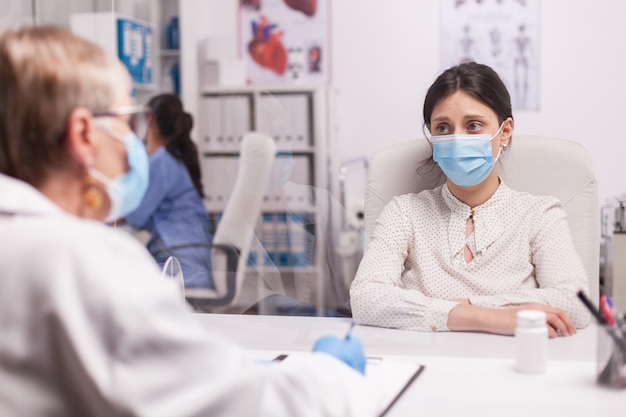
{"x": 137, "y": 122}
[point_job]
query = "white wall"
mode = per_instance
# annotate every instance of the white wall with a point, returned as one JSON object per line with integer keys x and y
{"x": 199, "y": 20}
{"x": 386, "y": 55}
{"x": 15, "y": 13}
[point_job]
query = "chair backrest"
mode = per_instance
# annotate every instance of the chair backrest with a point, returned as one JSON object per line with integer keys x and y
{"x": 237, "y": 225}
{"x": 535, "y": 164}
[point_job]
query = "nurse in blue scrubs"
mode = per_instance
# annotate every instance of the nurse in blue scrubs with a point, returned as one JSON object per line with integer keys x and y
{"x": 172, "y": 209}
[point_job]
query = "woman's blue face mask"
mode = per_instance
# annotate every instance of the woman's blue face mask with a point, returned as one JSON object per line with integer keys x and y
{"x": 465, "y": 159}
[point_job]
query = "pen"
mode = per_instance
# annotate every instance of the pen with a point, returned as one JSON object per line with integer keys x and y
{"x": 619, "y": 340}
{"x": 606, "y": 310}
{"x": 619, "y": 321}
{"x": 350, "y": 330}
{"x": 591, "y": 307}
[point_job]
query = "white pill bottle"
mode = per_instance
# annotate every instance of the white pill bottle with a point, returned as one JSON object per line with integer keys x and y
{"x": 531, "y": 337}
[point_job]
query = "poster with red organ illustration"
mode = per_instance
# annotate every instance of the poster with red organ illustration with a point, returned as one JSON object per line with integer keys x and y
{"x": 285, "y": 41}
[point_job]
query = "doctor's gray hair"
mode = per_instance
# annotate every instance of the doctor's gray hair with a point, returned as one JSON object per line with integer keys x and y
{"x": 45, "y": 73}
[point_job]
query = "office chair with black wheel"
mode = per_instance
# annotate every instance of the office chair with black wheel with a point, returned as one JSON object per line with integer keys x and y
{"x": 234, "y": 233}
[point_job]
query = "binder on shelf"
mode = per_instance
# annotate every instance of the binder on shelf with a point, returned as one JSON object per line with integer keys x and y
{"x": 268, "y": 238}
{"x": 285, "y": 137}
{"x": 210, "y": 123}
{"x": 300, "y": 190}
{"x": 224, "y": 121}
{"x": 286, "y": 117}
{"x": 273, "y": 116}
{"x": 281, "y": 255}
{"x": 301, "y": 116}
{"x": 255, "y": 253}
{"x": 289, "y": 185}
{"x": 227, "y": 115}
{"x": 301, "y": 242}
{"x": 218, "y": 178}
{"x": 287, "y": 240}
{"x": 236, "y": 111}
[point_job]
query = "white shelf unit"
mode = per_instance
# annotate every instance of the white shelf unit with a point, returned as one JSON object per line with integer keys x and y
{"x": 101, "y": 28}
{"x": 162, "y": 12}
{"x": 132, "y": 42}
{"x": 291, "y": 230}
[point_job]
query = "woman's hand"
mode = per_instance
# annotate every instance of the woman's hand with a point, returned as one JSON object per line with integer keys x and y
{"x": 467, "y": 317}
{"x": 558, "y": 322}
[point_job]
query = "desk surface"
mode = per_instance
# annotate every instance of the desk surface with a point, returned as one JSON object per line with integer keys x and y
{"x": 467, "y": 374}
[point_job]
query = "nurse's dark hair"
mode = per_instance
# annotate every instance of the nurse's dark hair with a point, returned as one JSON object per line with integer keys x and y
{"x": 174, "y": 125}
{"x": 478, "y": 80}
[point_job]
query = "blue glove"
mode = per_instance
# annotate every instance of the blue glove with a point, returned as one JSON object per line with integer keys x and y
{"x": 348, "y": 350}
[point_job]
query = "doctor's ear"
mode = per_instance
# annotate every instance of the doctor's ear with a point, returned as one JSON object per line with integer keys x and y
{"x": 79, "y": 137}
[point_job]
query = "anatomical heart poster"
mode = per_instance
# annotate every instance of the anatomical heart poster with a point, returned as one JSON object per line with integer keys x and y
{"x": 285, "y": 41}
{"x": 503, "y": 34}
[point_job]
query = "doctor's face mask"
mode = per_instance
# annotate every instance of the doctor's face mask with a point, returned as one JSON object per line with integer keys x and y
{"x": 126, "y": 190}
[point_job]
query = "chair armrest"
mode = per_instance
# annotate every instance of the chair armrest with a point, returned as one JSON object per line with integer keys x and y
{"x": 196, "y": 298}
{"x": 232, "y": 261}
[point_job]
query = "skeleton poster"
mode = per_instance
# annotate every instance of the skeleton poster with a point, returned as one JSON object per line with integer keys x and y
{"x": 285, "y": 41}
{"x": 503, "y": 34}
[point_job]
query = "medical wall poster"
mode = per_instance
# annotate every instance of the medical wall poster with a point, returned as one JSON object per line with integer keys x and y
{"x": 134, "y": 48}
{"x": 503, "y": 34}
{"x": 285, "y": 41}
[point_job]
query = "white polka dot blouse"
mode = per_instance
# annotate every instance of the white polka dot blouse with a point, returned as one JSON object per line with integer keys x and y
{"x": 414, "y": 265}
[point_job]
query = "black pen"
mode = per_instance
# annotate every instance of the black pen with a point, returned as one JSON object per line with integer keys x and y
{"x": 619, "y": 340}
{"x": 594, "y": 311}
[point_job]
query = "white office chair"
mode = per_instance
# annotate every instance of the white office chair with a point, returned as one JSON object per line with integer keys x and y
{"x": 535, "y": 164}
{"x": 235, "y": 230}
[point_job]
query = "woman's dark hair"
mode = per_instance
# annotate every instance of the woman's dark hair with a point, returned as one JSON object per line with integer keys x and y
{"x": 175, "y": 126}
{"x": 477, "y": 80}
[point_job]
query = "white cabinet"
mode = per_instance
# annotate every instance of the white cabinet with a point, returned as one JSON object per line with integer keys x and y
{"x": 145, "y": 35}
{"x": 291, "y": 233}
{"x": 166, "y": 19}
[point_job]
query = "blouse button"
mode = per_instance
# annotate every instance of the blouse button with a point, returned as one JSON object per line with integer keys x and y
{"x": 434, "y": 329}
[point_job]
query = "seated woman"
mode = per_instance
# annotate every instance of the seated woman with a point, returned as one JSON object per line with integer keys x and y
{"x": 172, "y": 209}
{"x": 470, "y": 253}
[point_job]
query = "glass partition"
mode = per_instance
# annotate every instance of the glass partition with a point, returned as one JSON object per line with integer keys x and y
{"x": 301, "y": 250}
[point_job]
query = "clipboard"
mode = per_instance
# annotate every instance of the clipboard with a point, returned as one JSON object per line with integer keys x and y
{"x": 392, "y": 377}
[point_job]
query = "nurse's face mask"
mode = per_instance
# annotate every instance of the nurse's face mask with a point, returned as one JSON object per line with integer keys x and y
{"x": 126, "y": 190}
{"x": 466, "y": 159}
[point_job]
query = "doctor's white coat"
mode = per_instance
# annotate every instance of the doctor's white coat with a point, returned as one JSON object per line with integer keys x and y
{"x": 88, "y": 328}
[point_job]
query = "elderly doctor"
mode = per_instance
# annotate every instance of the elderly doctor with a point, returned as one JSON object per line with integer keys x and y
{"x": 87, "y": 325}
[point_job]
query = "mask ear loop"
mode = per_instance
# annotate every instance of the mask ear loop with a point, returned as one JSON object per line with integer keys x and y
{"x": 499, "y": 130}
{"x": 427, "y": 135}
{"x": 501, "y": 126}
